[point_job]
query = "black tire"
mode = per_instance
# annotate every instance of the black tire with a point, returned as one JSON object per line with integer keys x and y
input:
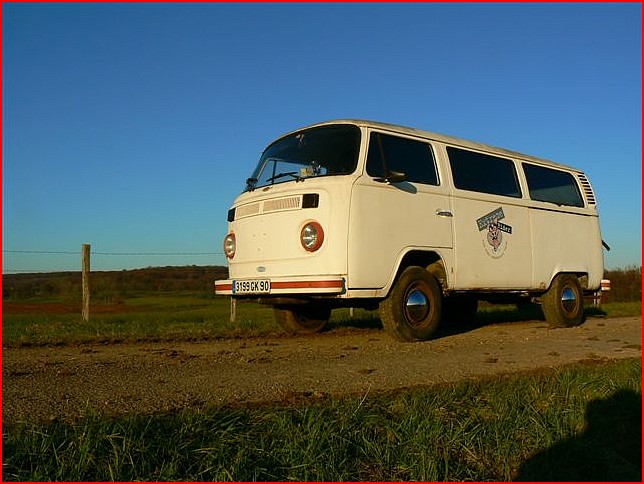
{"x": 412, "y": 310}
{"x": 563, "y": 303}
{"x": 460, "y": 308}
{"x": 303, "y": 319}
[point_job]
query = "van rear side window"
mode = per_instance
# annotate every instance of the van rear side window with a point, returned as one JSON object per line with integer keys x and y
{"x": 483, "y": 173}
{"x": 554, "y": 186}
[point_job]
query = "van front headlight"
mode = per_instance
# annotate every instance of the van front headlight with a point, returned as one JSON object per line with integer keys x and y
{"x": 312, "y": 236}
{"x": 230, "y": 245}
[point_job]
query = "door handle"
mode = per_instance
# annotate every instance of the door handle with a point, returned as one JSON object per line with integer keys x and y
{"x": 443, "y": 213}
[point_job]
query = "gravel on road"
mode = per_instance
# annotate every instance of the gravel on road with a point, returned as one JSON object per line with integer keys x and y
{"x": 69, "y": 382}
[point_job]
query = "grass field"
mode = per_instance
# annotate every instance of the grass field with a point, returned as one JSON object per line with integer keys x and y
{"x": 580, "y": 423}
{"x": 188, "y": 316}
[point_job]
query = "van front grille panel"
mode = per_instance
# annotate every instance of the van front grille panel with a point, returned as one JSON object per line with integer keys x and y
{"x": 267, "y": 206}
{"x": 287, "y": 203}
{"x": 247, "y": 210}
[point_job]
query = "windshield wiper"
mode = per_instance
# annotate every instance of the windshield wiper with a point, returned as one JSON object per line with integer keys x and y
{"x": 282, "y": 175}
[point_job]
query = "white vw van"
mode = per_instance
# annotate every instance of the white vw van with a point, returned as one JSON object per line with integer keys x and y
{"x": 353, "y": 213}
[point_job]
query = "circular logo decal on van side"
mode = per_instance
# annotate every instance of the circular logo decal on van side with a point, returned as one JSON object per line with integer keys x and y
{"x": 490, "y": 225}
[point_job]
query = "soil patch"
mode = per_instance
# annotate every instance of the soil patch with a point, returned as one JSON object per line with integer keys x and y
{"x": 69, "y": 382}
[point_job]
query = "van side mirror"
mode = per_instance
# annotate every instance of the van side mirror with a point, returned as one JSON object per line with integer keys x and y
{"x": 392, "y": 177}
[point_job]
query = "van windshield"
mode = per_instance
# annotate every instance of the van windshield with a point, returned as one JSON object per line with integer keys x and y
{"x": 321, "y": 151}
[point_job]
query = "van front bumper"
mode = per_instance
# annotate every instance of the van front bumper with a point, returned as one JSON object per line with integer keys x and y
{"x": 281, "y": 286}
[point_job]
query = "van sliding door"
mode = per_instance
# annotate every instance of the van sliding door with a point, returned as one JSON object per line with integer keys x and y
{"x": 492, "y": 239}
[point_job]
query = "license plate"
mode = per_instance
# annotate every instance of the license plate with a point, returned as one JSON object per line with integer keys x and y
{"x": 255, "y": 286}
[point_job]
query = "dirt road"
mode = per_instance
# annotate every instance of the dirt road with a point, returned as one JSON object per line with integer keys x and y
{"x": 67, "y": 382}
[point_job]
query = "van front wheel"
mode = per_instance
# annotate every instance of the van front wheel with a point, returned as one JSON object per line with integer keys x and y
{"x": 563, "y": 303}
{"x": 302, "y": 319}
{"x": 412, "y": 310}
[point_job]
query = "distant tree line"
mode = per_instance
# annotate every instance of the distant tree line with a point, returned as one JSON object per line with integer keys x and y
{"x": 112, "y": 286}
{"x": 625, "y": 285}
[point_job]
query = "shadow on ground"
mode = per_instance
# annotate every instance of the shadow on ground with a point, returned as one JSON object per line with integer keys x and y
{"x": 486, "y": 316}
{"x": 609, "y": 449}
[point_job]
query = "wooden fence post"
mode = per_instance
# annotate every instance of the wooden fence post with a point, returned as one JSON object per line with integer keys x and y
{"x": 233, "y": 309}
{"x": 86, "y": 271}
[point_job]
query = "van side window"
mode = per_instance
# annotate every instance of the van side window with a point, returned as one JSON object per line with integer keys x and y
{"x": 554, "y": 186}
{"x": 483, "y": 173}
{"x": 413, "y": 158}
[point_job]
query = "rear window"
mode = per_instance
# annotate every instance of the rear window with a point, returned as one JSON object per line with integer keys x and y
{"x": 554, "y": 186}
{"x": 483, "y": 173}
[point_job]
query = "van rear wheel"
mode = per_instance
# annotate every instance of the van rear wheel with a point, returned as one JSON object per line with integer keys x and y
{"x": 412, "y": 310}
{"x": 563, "y": 303}
{"x": 302, "y": 319}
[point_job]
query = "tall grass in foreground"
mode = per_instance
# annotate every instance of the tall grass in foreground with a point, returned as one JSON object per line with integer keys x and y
{"x": 577, "y": 423}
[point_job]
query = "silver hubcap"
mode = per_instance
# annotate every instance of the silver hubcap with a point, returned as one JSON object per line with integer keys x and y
{"x": 416, "y": 306}
{"x": 568, "y": 300}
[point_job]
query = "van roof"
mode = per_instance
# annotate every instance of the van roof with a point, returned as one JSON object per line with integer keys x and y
{"x": 443, "y": 139}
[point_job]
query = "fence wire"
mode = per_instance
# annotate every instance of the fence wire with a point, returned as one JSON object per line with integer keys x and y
{"x": 96, "y": 253}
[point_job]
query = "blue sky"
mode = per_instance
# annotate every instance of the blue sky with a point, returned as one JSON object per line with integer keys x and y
{"x": 133, "y": 126}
